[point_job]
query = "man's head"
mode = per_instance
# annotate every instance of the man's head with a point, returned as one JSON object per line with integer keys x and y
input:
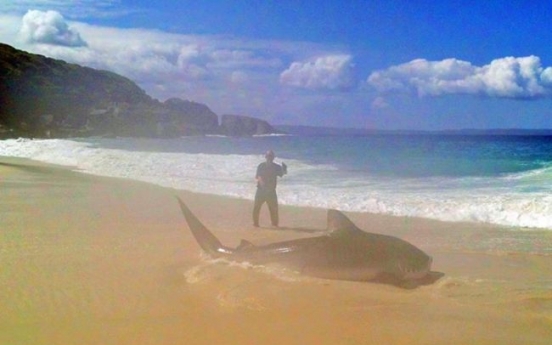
{"x": 269, "y": 156}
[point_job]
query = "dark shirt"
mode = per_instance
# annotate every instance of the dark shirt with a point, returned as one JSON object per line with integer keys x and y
{"x": 269, "y": 173}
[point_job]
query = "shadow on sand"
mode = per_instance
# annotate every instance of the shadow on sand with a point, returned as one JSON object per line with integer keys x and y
{"x": 26, "y": 167}
{"x": 294, "y": 229}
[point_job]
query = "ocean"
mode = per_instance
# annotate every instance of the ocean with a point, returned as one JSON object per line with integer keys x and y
{"x": 503, "y": 180}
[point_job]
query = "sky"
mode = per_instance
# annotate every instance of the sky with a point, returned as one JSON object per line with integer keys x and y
{"x": 411, "y": 65}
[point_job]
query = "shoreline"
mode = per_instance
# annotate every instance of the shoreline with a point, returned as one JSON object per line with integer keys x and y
{"x": 89, "y": 259}
{"x": 493, "y": 200}
{"x": 384, "y": 223}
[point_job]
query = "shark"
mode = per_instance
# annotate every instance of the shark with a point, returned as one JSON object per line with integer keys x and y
{"x": 344, "y": 252}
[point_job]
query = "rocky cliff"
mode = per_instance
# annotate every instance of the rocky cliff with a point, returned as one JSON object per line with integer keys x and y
{"x": 239, "y": 125}
{"x": 40, "y": 96}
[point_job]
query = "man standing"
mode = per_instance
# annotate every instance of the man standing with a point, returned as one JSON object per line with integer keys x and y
{"x": 267, "y": 176}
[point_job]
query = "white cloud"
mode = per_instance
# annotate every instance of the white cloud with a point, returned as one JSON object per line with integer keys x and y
{"x": 239, "y": 77}
{"x": 379, "y": 103}
{"x": 227, "y": 58}
{"x": 9, "y": 29}
{"x": 509, "y": 77}
{"x": 326, "y": 72}
{"x": 49, "y": 28}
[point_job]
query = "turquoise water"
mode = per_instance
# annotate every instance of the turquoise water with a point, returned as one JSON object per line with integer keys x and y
{"x": 382, "y": 155}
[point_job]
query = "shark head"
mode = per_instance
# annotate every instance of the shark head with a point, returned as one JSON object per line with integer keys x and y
{"x": 397, "y": 257}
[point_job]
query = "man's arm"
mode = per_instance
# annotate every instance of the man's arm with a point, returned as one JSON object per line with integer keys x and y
{"x": 258, "y": 176}
{"x": 284, "y": 169}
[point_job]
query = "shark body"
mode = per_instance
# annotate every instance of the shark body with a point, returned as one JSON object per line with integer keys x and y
{"x": 345, "y": 253}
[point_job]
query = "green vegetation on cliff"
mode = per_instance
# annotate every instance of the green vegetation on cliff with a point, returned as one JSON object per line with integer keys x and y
{"x": 37, "y": 92}
{"x": 42, "y": 96}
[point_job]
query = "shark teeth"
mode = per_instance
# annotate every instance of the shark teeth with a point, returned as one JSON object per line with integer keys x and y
{"x": 410, "y": 272}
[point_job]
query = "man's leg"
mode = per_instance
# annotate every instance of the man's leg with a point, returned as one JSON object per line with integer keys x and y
{"x": 259, "y": 200}
{"x": 272, "y": 202}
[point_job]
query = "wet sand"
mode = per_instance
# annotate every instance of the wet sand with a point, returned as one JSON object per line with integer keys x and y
{"x": 93, "y": 260}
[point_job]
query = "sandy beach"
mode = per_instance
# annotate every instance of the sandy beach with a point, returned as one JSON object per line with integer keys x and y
{"x": 93, "y": 260}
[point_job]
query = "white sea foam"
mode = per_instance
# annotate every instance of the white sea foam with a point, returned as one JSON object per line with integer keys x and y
{"x": 498, "y": 200}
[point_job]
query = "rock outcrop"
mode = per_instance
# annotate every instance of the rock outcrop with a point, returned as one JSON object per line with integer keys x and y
{"x": 44, "y": 97}
{"x": 180, "y": 117}
{"x": 239, "y": 126}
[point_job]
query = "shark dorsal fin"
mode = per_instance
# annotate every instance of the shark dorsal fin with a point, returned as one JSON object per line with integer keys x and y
{"x": 339, "y": 223}
{"x": 244, "y": 244}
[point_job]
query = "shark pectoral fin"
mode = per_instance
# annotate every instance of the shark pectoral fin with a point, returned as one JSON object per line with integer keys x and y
{"x": 244, "y": 244}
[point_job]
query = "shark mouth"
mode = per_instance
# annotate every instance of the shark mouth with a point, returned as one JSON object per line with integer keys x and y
{"x": 409, "y": 272}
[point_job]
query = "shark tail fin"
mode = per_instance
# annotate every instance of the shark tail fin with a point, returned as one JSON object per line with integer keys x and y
{"x": 338, "y": 221}
{"x": 204, "y": 237}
